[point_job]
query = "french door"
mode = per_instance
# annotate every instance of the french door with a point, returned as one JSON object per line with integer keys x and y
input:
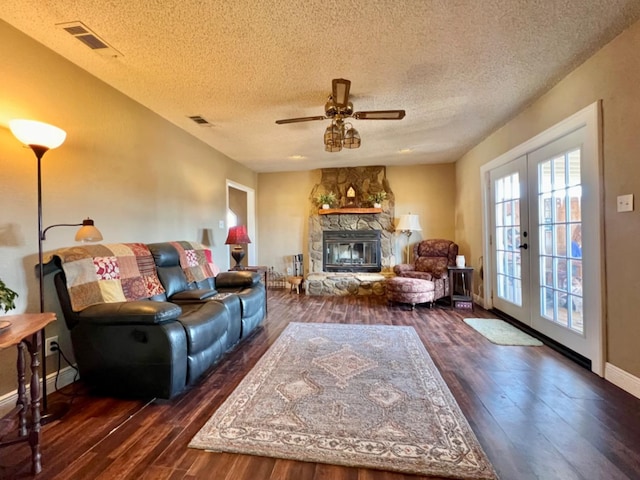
{"x": 510, "y": 239}
{"x": 539, "y": 273}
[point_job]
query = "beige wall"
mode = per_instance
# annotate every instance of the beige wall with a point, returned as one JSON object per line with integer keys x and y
{"x": 284, "y": 203}
{"x": 613, "y": 75}
{"x": 283, "y": 210}
{"x": 138, "y": 176}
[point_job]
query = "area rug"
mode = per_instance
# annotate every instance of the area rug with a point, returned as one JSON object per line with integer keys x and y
{"x": 355, "y": 395}
{"x": 501, "y": 332}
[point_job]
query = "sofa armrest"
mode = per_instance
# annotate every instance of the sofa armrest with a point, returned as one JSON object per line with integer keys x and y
{"x": 195, "y": 295}
{"x": 237, "y": 279}
{"x": 140, "y": 312}
{"x": 401, "y": 268}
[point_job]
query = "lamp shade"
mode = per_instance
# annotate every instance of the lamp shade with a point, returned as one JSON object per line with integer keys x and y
{"x": 409, "y": 223}
{"x": 31, "y": 132}
{"x": 88, "y": 232}
{"x": 237, "y": 235}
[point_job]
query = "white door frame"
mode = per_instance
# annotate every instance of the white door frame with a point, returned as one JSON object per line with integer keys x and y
{"x": 590, "y": 118}
{"x": 251, "y": 218}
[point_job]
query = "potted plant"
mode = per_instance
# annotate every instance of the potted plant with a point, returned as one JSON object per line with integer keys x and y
{"x": 377, "y": 198}
{"x": 7, "y": 297}
{"x": 326, "y": 199}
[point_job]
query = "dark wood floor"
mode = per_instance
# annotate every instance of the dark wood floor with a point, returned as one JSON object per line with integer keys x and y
{"x": 536, "y": 414}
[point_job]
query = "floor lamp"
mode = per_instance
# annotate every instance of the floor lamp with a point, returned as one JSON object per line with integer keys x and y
{"x": 41, "y": 137}
{"x": 408, "y": 224}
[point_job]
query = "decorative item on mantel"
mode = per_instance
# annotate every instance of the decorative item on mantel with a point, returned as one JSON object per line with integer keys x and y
{"x": 351, "y": 195}
{"x": 377, "y": 198}
{"x": 326, "y": 200}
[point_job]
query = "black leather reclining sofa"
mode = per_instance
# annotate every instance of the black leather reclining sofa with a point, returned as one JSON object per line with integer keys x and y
{"x": 156, "y": 347}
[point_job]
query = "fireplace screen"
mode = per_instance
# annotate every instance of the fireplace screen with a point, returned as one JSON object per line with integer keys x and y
{"x": 351, "y": 251}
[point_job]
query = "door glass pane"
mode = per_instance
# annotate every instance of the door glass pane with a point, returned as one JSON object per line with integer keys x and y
{"x": 560, "y": 228}
{"x": 507, "y": 238}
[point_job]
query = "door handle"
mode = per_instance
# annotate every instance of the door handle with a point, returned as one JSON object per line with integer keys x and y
{"x": 524, "y": 245}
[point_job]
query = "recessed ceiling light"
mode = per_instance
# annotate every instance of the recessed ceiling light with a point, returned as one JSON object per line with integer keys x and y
{"x": 405, "y": 150}
{"x": 297, "y": 157}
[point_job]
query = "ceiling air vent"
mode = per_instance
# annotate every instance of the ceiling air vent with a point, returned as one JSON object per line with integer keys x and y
{"x": 200, "y": 121}
{"x": 83, "y": 33}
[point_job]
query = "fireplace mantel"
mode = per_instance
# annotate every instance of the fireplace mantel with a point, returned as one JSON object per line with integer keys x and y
{"x": 341, "y": 211}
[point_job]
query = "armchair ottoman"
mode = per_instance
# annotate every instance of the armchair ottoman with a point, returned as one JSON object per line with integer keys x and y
{"x": 410, "y": 290}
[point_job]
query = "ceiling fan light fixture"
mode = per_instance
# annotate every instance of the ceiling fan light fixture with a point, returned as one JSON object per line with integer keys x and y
{"x": 332, "y": 148}
{"x": 338, "y": 108}
{"x": 341, "y": 91}
{"x": 351, "y": 138}
{"x": 330, "y": 109}
{"x": 380, "y": 115}
{"x": 348, "y": 110}
{"x": 332, "y": 138}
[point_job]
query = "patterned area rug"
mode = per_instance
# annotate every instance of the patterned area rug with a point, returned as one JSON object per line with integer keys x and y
{"x": 501, "y": 332}
{"x": 355, "y": 395}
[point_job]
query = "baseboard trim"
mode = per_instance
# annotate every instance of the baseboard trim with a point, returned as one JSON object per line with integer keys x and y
{"x": 549, "y": 342}
{"x": 623, "y": 379}
{"x": 8, "y": 400}
{"x": 478, "y": 300}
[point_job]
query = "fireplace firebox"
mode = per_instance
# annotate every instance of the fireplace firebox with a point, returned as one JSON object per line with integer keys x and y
{"x": 351, "y": 251}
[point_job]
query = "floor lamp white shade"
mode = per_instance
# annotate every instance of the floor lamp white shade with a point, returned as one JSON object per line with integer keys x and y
{"x": 408, "y": 224}
{"x": 31, "y": 132}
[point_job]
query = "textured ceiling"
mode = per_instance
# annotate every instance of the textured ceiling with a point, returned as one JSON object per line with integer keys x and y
{"x": 459, "y": 68}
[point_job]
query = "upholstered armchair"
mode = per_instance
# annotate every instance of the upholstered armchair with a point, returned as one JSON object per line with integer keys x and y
{"x": 431, "y": 261}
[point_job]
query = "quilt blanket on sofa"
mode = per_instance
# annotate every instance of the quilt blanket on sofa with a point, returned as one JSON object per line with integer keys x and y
{"x": 196, "y": 261}
{"x": 110, "y": 273}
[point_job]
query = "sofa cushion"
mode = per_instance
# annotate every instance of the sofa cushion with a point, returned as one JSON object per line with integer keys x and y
{"x": 204, "y": 323}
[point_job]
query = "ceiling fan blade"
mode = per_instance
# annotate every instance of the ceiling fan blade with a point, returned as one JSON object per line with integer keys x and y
{"x": 340, "y": 89}
{"x": 300, "y": 119}
{"x": 380, "y": 115}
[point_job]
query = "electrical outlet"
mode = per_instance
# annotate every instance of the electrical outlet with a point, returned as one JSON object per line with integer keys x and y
{"x": 289, "y": 271}
{"x": 47, "y": 344}
{"x": 625, "y": 203}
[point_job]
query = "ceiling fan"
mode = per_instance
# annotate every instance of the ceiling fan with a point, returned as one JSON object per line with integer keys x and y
{"x": 338, "y": 107}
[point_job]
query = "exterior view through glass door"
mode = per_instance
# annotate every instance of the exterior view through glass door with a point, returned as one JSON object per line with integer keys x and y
{"x": 510, "y": 284}
{"x": 560, "y": 233}
{"x": 536, "y": 244}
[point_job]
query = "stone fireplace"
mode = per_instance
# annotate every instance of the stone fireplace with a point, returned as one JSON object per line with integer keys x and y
{"x": 351, "y": 251}
{"x": 352, "y": 217}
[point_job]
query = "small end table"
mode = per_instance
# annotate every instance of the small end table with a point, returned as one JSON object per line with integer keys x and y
{"x": 25, "y": 330}
{"x": 462, "y": 298}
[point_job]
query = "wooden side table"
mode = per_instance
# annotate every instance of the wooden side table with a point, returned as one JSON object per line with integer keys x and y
{"x": 25, "y": 330}
{"x": 296, "y": 283}
{"x": 462, "y": 298}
